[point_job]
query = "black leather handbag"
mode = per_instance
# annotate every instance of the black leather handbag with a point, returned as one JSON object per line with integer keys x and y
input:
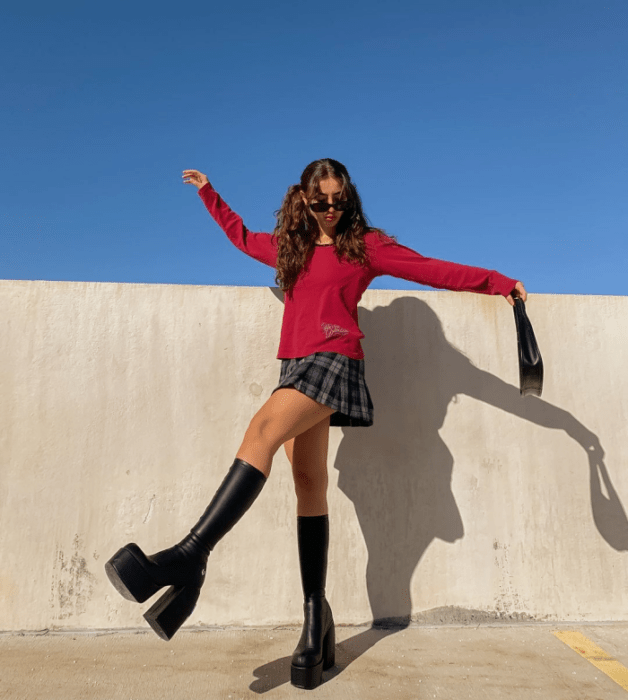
{"x": 530, "y": 361}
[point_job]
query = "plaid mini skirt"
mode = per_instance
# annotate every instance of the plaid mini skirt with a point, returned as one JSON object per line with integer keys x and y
{"x": 334, "y": 380}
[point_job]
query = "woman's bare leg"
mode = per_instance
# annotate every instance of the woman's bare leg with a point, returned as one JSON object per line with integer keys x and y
{"x": 286, "y": 414}
{"x": 307, "y": 454}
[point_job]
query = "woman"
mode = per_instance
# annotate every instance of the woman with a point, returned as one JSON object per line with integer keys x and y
{"x": 325, "y": 255}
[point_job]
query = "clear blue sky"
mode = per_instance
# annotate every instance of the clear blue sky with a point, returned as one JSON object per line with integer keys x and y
{"x": 487, "y": 132}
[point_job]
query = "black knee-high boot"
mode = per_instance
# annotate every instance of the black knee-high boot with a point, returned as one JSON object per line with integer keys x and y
{"x": 137, "y": 577}
{"x": 317, "y": 647}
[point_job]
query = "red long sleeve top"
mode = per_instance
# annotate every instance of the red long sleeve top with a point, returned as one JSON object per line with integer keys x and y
{"x": 321, "y": 315}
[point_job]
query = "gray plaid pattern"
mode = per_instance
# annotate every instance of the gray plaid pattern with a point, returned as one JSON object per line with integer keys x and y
{"x": 334, "y": 380}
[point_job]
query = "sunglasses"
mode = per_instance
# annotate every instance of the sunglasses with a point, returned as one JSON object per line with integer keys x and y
{"x": 320, "y": 207}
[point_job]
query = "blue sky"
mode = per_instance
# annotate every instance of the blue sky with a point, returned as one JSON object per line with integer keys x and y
{"x": 487, "y": 132}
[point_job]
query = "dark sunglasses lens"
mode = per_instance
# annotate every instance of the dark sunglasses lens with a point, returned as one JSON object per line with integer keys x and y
{"x": 320, "y": 207}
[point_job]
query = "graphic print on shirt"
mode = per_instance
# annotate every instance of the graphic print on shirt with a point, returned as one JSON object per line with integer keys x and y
{"x": 333, "y": 331}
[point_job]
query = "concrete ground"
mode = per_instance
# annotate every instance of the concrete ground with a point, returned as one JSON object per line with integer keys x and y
{"x": 519, "y": 661}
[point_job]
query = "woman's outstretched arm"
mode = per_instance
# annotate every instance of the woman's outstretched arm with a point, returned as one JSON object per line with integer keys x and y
{"x": 257, "y": 245}
{"x": 392, "y": 258}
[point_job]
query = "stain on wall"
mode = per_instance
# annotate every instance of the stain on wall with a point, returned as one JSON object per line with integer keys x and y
{"x": 72, "y": 582}
{"x": 508, "y": 600}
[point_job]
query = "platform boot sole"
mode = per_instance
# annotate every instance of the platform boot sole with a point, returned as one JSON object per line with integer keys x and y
{"x": 128, "y": 571}
{"x": 310, "y": 677}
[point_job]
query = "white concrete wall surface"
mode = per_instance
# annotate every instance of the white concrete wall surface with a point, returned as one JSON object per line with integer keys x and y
{"x": 123, "y": 406}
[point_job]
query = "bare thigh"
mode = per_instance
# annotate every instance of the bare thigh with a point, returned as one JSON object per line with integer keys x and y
{"x": 286, "y": 414}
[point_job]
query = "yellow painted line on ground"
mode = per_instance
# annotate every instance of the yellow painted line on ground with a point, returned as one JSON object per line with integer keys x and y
{"x": 595, "y": 655}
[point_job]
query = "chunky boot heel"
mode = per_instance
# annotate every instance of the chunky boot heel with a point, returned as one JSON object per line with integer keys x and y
{"x": 306, "y": 677}
{"x": 128, "y": 571}
{"x": 329, "y": 648}
{"x": 172, "y": 610}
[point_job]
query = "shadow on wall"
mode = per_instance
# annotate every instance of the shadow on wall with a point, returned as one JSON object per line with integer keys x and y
{"x": 403, "y": 505}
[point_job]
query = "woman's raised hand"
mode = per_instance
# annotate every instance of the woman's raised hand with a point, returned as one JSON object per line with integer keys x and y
{"x": 518, "y": 291}
{"x": 194, "y": 177}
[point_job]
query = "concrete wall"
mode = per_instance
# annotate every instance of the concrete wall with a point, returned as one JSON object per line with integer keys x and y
{"x": 123, "y": 406}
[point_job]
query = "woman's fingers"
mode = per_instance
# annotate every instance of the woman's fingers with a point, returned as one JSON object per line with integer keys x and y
{"x": 518, "y": 291}
{"x": 521, "y": 291}
{"x": 194, "y": 177}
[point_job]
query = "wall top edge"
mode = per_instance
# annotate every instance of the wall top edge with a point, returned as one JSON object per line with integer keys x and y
{"x": 9, "y": 282}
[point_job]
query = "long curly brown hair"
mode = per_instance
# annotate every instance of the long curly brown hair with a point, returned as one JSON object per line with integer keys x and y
{"x": 297, "y": 230}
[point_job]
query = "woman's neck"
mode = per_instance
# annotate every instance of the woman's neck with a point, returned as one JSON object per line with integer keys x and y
{"x": 326, "y": 235}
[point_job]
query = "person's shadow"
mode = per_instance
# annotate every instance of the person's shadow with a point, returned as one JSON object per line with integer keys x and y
{"x": 398, "y": 472}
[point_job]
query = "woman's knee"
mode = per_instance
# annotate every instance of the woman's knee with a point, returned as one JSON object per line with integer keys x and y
{"x": 310, "y": 482}
{"x": 260, "y": 430}
{"x": 309, "y": 460}
{"x": 265, "y": 424}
